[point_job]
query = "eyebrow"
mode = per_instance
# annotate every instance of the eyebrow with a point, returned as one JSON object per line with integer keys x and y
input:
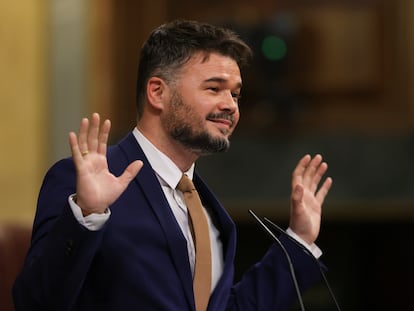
{"x": 221, "y": 81}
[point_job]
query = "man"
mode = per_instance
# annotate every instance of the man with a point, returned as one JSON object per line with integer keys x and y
{"x": 112, "y": 231}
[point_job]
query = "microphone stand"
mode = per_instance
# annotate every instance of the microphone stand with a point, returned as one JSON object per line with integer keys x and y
{"x": 289, "y": 260}
{"x": 306, "y": 250}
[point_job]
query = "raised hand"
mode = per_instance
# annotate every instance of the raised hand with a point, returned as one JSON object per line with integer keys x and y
{"x": 307, "y": 197}
{"x": 96, "y": 187}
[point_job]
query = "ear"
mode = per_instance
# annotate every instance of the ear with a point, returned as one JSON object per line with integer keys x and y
{"x": 157, "y": 92}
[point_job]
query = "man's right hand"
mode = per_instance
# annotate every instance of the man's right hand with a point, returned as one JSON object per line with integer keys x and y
{"x": 96, "y": 187}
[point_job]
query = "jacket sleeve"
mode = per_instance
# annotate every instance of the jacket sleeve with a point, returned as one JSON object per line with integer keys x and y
{"x": 268, "y": 285}
{"x": 61, "y": 249}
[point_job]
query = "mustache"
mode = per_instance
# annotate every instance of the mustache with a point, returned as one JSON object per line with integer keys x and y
{"x": 221, "y": 115}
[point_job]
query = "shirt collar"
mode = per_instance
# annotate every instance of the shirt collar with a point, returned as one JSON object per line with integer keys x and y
{"x": 164, "y": 167}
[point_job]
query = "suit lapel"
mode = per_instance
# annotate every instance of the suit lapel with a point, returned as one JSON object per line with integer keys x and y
{"x": 151, "y": 187}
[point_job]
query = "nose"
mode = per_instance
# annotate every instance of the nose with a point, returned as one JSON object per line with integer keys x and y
{"x": 229, "y": 103}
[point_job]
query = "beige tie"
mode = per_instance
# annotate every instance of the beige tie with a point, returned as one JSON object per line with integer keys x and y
{"x": 201, "y": 237}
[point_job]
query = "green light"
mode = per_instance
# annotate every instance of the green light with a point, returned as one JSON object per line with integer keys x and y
{"x": 274, "y": 48}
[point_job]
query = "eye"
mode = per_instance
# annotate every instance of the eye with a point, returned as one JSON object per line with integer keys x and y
{"x": 213, "y": 89}
{"x": 236, "y": 95}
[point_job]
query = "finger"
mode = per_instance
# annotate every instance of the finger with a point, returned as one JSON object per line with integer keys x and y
{"x": 83, "y": 134}
{"x": 321, "y": 170}
{"x": 298, "y": 172}
{"x": 74, "y": 146}
{"x": 312, "y": 167}
{"x": 310, "y": 172}
{"x": 93, "y": 133}
{"x": 103, "y": 137}
{"x": 130, "y": 172}
{"x": 323, "y": 191}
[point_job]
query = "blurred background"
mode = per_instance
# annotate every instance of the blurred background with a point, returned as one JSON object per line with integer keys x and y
{"x": 331, "y": 77}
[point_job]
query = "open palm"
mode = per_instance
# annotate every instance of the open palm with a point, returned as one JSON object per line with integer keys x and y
{"x": 96, "y": 187}
{"x": 307, "y": 197}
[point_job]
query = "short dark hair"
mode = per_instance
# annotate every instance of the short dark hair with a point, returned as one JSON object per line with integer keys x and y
{"x": 171, "y": 45}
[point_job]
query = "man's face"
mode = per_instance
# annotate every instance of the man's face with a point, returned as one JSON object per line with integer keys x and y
{"x": 203, "y": 110}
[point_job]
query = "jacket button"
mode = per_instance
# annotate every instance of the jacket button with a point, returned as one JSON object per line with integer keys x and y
{"x": 69, "y": 247}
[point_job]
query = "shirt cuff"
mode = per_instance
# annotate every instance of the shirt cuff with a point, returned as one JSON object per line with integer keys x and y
{"x": 313, "y": 248}
{"x": 93, "y": 221}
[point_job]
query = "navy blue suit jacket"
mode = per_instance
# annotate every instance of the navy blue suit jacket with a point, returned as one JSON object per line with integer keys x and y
{"x": 139, "y": 260}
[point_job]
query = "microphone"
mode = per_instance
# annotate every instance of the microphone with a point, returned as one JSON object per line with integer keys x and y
{"x": 306, "y": 250}
{"x": 289, "y": 260}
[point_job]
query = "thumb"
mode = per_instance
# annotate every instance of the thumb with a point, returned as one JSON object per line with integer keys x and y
{"x": 130, "y": 172}
{"x": 297, "y": 194}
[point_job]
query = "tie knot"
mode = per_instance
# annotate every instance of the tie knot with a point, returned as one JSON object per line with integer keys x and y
{"x": 185, "y": 184}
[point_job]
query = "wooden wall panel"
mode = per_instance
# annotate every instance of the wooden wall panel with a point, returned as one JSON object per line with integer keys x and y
{"x": 23, "y": 104}
{"x": 118, "y": 29}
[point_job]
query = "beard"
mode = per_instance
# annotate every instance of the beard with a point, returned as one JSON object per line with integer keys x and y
{"x": 185, "y": 126}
